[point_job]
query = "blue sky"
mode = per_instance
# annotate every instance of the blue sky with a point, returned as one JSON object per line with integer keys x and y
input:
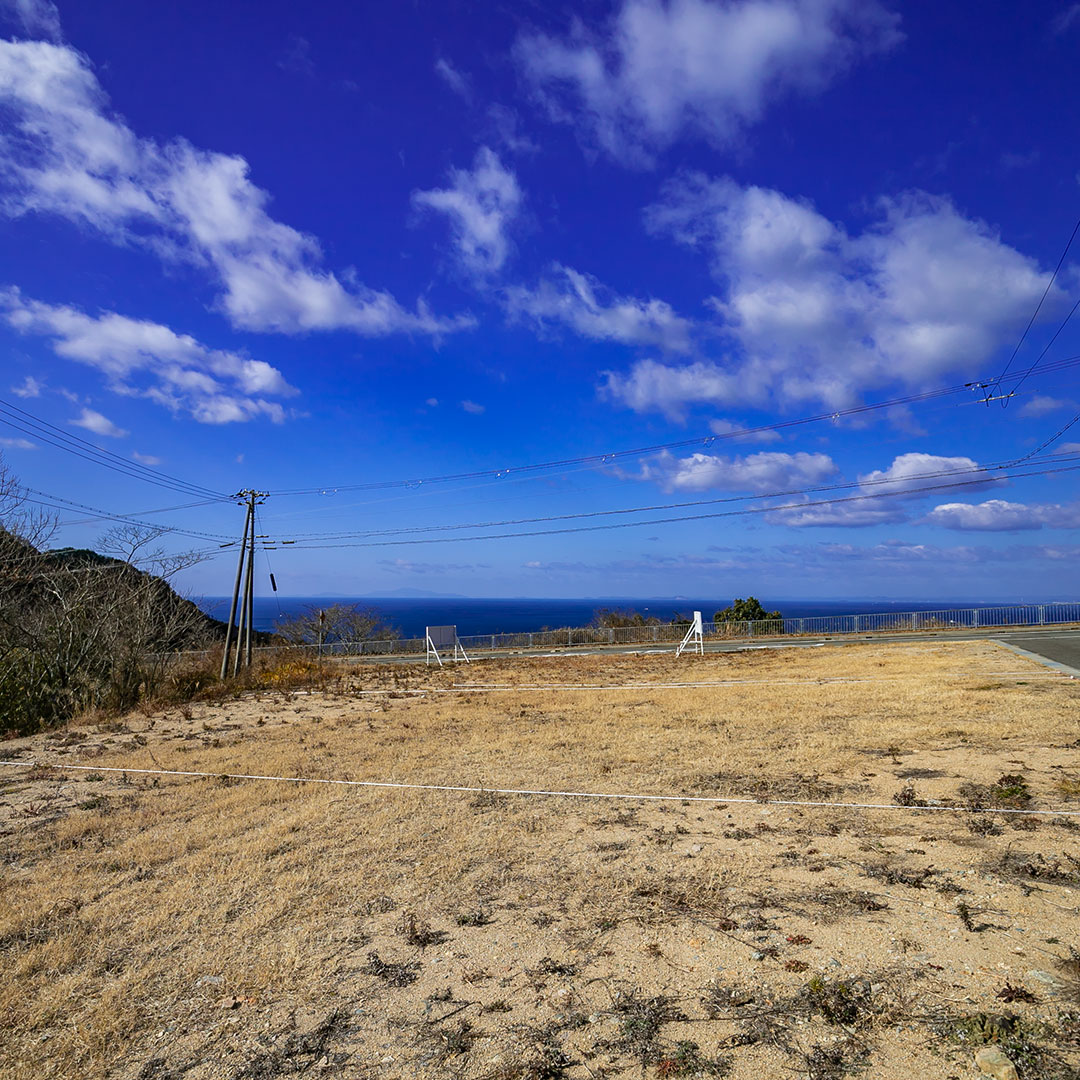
{"x": 317, "y": 247}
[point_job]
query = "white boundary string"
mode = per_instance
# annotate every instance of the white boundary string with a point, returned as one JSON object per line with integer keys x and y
{"x": 496, "y": 688}
{"x": 719, "y": 799}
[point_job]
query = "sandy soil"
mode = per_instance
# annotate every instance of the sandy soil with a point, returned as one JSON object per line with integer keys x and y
{"x": 165, "y": 927}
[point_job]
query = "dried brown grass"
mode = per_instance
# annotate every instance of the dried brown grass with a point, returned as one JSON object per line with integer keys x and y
{"x": 203, "y": 928}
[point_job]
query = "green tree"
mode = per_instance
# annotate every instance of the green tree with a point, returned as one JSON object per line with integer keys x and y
{"x": 748, "y": 610}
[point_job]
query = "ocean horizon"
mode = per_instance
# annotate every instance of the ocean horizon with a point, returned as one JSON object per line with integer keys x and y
{"x": 479, "y": 615}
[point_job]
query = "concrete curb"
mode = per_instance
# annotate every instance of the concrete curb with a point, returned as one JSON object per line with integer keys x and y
{"x": 1037, "y": 658}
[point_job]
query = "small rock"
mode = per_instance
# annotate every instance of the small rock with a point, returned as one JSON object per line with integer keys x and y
{"x": 209, "y": 980}
{"x": 1044, "y": 977}
{"x": 696, "y": 849}
{"x": 993, "y": 1062}
{"x": 757, "y": 956}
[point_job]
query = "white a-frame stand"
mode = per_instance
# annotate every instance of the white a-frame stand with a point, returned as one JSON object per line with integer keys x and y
{"x": 694, "y": 638}
{"x": 445, "y": 638}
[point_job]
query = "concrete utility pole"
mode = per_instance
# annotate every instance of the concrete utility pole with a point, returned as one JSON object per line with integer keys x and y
{"x": 247, "y": 609}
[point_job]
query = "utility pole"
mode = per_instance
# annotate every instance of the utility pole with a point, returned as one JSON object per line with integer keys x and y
{"x": 246, "y": 604}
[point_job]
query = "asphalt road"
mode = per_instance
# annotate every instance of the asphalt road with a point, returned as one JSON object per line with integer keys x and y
{"x": 1061, "y": 647}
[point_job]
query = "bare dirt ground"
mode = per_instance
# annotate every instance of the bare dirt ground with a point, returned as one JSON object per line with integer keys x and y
{"x": 162, "y": 927}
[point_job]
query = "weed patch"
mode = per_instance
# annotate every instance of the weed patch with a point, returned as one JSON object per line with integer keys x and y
{"x": 392, "y": 974}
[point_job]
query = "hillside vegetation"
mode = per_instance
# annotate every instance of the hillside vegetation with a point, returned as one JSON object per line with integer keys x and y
{"x": 80, "y": 630}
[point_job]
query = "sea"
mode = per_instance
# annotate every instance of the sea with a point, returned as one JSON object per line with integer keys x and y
{"x": 485, "y": 616}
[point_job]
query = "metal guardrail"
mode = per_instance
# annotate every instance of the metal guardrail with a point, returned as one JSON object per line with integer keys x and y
{"x": 1019, "y": 615}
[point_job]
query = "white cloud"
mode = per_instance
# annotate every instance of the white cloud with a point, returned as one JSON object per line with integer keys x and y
{"x": 148, "y": 359}
{"x": 432, "y": 402}
{"x": 65, "y": 153}
{"x": 731, "y": 430}
{"x": 580, "y": 302}
{"x": 297, "y": 57}
{"x": 503, "y": 123}
{"x": 909, "y": 477}
{"x": 815, "y": 314}
{"x": 18, "y": 444}
{"x": 28, "y": 388}
{"x": 1041, "y": 404}
{"x": 1065, "y": 20}
{"x": 99, "y": 425}
{"x": 915, "y": 472}
{"x": 453, "y": 78}
{"x": 37, "y": 18}
{"x": 145, "y": 459}
{"x": 997, "y": 515}
{"x": 472, "y": 407}
{"x": 759, "y": 473}
{"x": 708, "y": 67}
{"x": 481, "y": 203}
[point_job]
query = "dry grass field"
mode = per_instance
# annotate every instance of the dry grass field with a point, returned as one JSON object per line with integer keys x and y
{"x": 185, "y": 928}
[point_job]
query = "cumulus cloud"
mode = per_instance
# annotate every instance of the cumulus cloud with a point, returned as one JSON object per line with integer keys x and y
{"x": 481, "y": 204}
{"x": 66, "y": 153}
{"x": 997, "y": 515}
{"x": 579, "y": 302}
{"x": 472, "y": 407}
{"x": 18, "y": 444}
{"x": 144, "y": 358}
{"x": 759, "y": 473}
{"x": 815, "y": 314}
{"x": 99, "y": 425}
{"x": 909, "y": 477}
{"x": 706, "y": 67}
{"x": 145, "y": 459}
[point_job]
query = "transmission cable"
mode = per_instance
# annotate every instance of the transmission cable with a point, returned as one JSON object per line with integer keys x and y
{"x": 55, "y": 502}
{"x": 701, "y": 440}
{"x": 1038, "y": 307}
{"x": 29, "y": 424}
{"x": 692, "y": 517}
{"x": 988, "y": 469}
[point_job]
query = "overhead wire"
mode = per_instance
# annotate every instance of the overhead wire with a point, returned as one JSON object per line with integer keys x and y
{"x": 140, "y": 513}
{"x": 1024, "y": 375}
{"x": 307, "y": 546}
{"x": 700, "y": 440}
{"x": 29, "y": 424}
{"x": 55, "y": 502}
{"x": 1038, "y": 307}
{"x": 989, "y": 470}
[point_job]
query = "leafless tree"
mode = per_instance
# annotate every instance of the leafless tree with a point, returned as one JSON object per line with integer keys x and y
{"x": 316, "y": 625}
{"x": 79, "y": 629}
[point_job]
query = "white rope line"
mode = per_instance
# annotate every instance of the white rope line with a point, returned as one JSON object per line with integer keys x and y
{"x": 492, "y": 688}
{"x": 529, "y": 791}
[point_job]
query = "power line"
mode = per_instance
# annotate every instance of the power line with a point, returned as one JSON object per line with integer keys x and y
{"x": 1038, "y": 359}
{"x": 1048, "y": 442}
{"x": 701, "y": 440}
{"x": 55, "y": 502}
{"x": 138, "y": 513}
{"x": 692, "y": 517}
{"x": 988, "y": 469}
{"x": 29, "y": 424}
{"x": 1038, "y": 307}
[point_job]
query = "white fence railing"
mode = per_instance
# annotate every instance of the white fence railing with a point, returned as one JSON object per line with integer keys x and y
{"x": 984, "y": 618}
